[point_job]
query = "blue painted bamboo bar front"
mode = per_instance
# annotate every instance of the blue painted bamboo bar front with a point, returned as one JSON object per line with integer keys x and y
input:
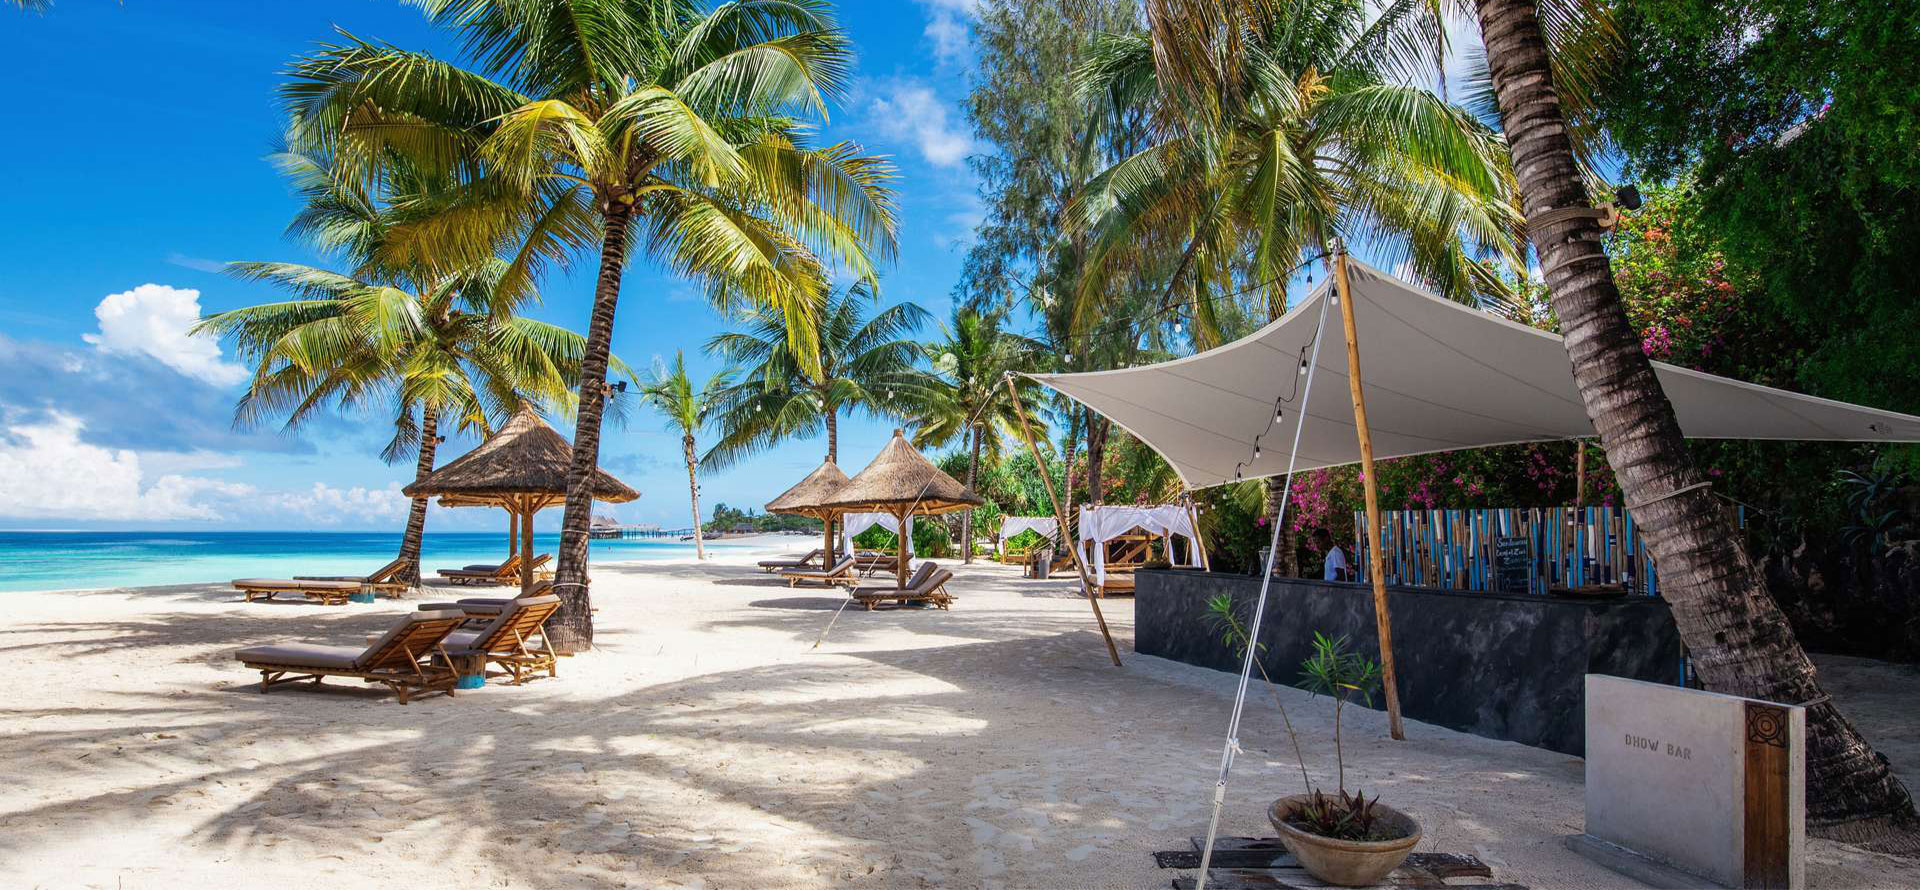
{"x": 1567, "y": 548}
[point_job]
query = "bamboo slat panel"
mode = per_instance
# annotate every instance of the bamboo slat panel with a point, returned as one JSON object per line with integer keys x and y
{"x": 1569, "y": 547}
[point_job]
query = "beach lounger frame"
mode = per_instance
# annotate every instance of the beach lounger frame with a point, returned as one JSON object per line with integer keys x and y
{"x": 505, "y": 573}
{"x": 928, "y": 585}
{"x": 381, "y": 581}
{"x": 769, "y": 565}
{"x": 507, "y": 639}
{"x": 330, "y": 593}
{"x": 843, "y": 573}
{"x": 409, "y": 659}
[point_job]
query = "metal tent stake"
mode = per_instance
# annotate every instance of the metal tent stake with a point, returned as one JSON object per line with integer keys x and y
{"x": 1375, "y": 568}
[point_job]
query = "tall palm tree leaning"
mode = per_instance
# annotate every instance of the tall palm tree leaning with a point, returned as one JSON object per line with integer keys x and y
{"x": 676, "y": 129}
{"x": 865, "y": 363}
{"x": 967, "y": 399}
{"x": 1738, "y": 638}
{"x": 442, "y": 345}
{"x": 670, "y": 392}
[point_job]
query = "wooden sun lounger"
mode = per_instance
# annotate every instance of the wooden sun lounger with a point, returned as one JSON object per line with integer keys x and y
{"x": 330, "y": 593}
{"x": 869, "y": 560}
{"x": 506, "y": 640}
{"x": 484, "y": 608}
{"x": 928, "y": 585}
{"x": 803, "y": 562}
{"x": 381, "y": 581}
{"x": 842, "y": 573}
{"x": 402, "y": 659}
{"x": 484, "y": 576}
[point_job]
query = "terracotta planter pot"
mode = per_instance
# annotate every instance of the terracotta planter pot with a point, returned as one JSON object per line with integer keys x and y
{"x": 1346, "y": 863}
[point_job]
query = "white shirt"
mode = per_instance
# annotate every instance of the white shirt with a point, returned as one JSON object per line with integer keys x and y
{"x": 1336, "y": 563}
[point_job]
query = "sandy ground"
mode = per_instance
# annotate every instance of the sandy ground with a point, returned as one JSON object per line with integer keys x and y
{"x": 704, "y": 744}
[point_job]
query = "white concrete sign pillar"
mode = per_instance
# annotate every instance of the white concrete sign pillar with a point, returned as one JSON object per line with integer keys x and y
{"x": 1712, "y": 785}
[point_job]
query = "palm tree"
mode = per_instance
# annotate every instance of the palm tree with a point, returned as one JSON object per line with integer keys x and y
{"x": 967, "y": 398}
{"x": 1739, "y": 640}
{"x": 1293, "y": 131}
{"x": 865, "y": 363}
{"x": 674, "y": 129}
{"x": 687, "y": 409}
{"x": 445, "y": 351}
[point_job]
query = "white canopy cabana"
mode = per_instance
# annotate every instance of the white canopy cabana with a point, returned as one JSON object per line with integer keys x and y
{"x": 1438, "y": 376}
{"x": 1012, "y": 526}
{"x": 1104, "y": 523}
{"x": 852, "y": 524}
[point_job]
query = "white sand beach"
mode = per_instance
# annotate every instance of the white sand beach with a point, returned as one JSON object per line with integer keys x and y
{"x": 703, "y": 744}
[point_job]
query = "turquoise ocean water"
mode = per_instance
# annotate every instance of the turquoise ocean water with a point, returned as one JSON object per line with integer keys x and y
{"x": 70, "y": 560}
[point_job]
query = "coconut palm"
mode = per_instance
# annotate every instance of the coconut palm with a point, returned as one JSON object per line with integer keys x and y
{"x": 439, "y": 345}
{"x": 687, "y": 409}
{"x": 1738, "y": 638}
{"x": 1294, "y": 130}
{"x": 675, "y": 129}
{"x": 967, "y": 398}
{"x": 866, "y": 363}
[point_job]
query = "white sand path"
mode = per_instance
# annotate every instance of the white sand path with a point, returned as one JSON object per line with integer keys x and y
{"x": 703, "y": 744}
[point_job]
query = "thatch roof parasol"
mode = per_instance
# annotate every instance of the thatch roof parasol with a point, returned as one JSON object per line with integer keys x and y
{"x": 901, "y": 481}
{"x": 809, "y": 496}
{"x": 902, "y": 478}
{"x": 525, "y": 457}
{"x": 522, "y": 468}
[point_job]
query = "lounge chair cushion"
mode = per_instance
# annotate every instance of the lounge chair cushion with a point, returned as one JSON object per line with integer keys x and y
{"x": 290, "y": 584}
{"x": 302, "y": 655}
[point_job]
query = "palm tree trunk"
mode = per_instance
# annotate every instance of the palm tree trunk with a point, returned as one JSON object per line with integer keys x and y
{"x": 571, "y": 628}
{"x": 417, "y": 513}
{"x": 1287, "y": 561}
{"x": 693, "y": 492}
{"x": 1096, "y": 456}
{"x": 973, "y": 478}
{"x": 1739, "y": 639}
{"x": 833, "y": 432}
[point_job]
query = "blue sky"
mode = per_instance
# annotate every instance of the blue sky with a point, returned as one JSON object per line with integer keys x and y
{"x": 138, "y": 167}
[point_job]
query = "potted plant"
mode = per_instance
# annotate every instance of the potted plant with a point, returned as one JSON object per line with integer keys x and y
{"x": 1341, "y": 838}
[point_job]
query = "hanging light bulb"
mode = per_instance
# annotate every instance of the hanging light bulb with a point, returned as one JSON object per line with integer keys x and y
{"x": 1303, "y": 365}
{"x": 1256, "y": 451}
{"x": 1279, "y": 412}
{"x": 1176, "y": 326}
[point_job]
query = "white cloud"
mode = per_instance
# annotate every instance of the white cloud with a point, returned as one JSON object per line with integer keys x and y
{"x": 47, "y": 472}
{"x": 324, "y": 504}
{"x": 948, "y": 27}
{"x": 911, "y": 111}
{"x": 198, "y": 264}
{"x": 153, "y": 320}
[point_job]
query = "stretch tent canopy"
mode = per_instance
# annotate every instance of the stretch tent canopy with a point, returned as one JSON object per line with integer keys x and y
{"x": 1104, "y": 523}
{"x": 1438, "y": 376}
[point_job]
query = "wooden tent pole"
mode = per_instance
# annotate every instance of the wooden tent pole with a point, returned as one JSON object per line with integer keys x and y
{"x": 513, "y": 529}
{"x": 526, "y": 545}
{"x": 1199, "y": 543}
{"x": 1376, "y": 570}
{"x": 1579, "y": 472}
{"x": 1060, "y": 517}
{"x": 826, "y": 519}
{"x": 900, "y": 551}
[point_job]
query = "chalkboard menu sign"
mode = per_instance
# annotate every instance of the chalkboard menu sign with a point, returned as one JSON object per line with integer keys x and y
{"x": 1513, "y": 564}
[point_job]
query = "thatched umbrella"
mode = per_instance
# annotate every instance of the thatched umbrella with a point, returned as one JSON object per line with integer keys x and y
{"x": 809, "y": 497}
{"x": 901, "y": 481}
{"x": 522, "y": 468}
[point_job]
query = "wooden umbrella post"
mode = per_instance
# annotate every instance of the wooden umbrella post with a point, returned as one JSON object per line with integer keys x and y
{"x": 526, "y": 544}
{"x": 513, "y": 528}
{"x": 1376, "y": 570}
{"x": 1060, "y": 516}
{"x": 900, "y": 551}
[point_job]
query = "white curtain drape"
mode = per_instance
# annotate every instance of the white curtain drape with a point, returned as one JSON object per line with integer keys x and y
{"x": 1104, "y": 523}
{"x": 1011, "y": 526}
{"x": 854, "y": 523}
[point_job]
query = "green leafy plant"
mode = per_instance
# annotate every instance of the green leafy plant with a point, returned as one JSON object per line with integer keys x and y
{"x": 1348, "y": 817}
{"x": 1233, "y": 635}
{"x": 1340, "y": 673}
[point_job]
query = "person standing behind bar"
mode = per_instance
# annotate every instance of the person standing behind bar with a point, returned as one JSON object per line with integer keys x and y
{"x": 1336, "y": 568}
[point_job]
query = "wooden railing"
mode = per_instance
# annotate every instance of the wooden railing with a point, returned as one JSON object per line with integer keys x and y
{"x": 1530, "y": 550}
